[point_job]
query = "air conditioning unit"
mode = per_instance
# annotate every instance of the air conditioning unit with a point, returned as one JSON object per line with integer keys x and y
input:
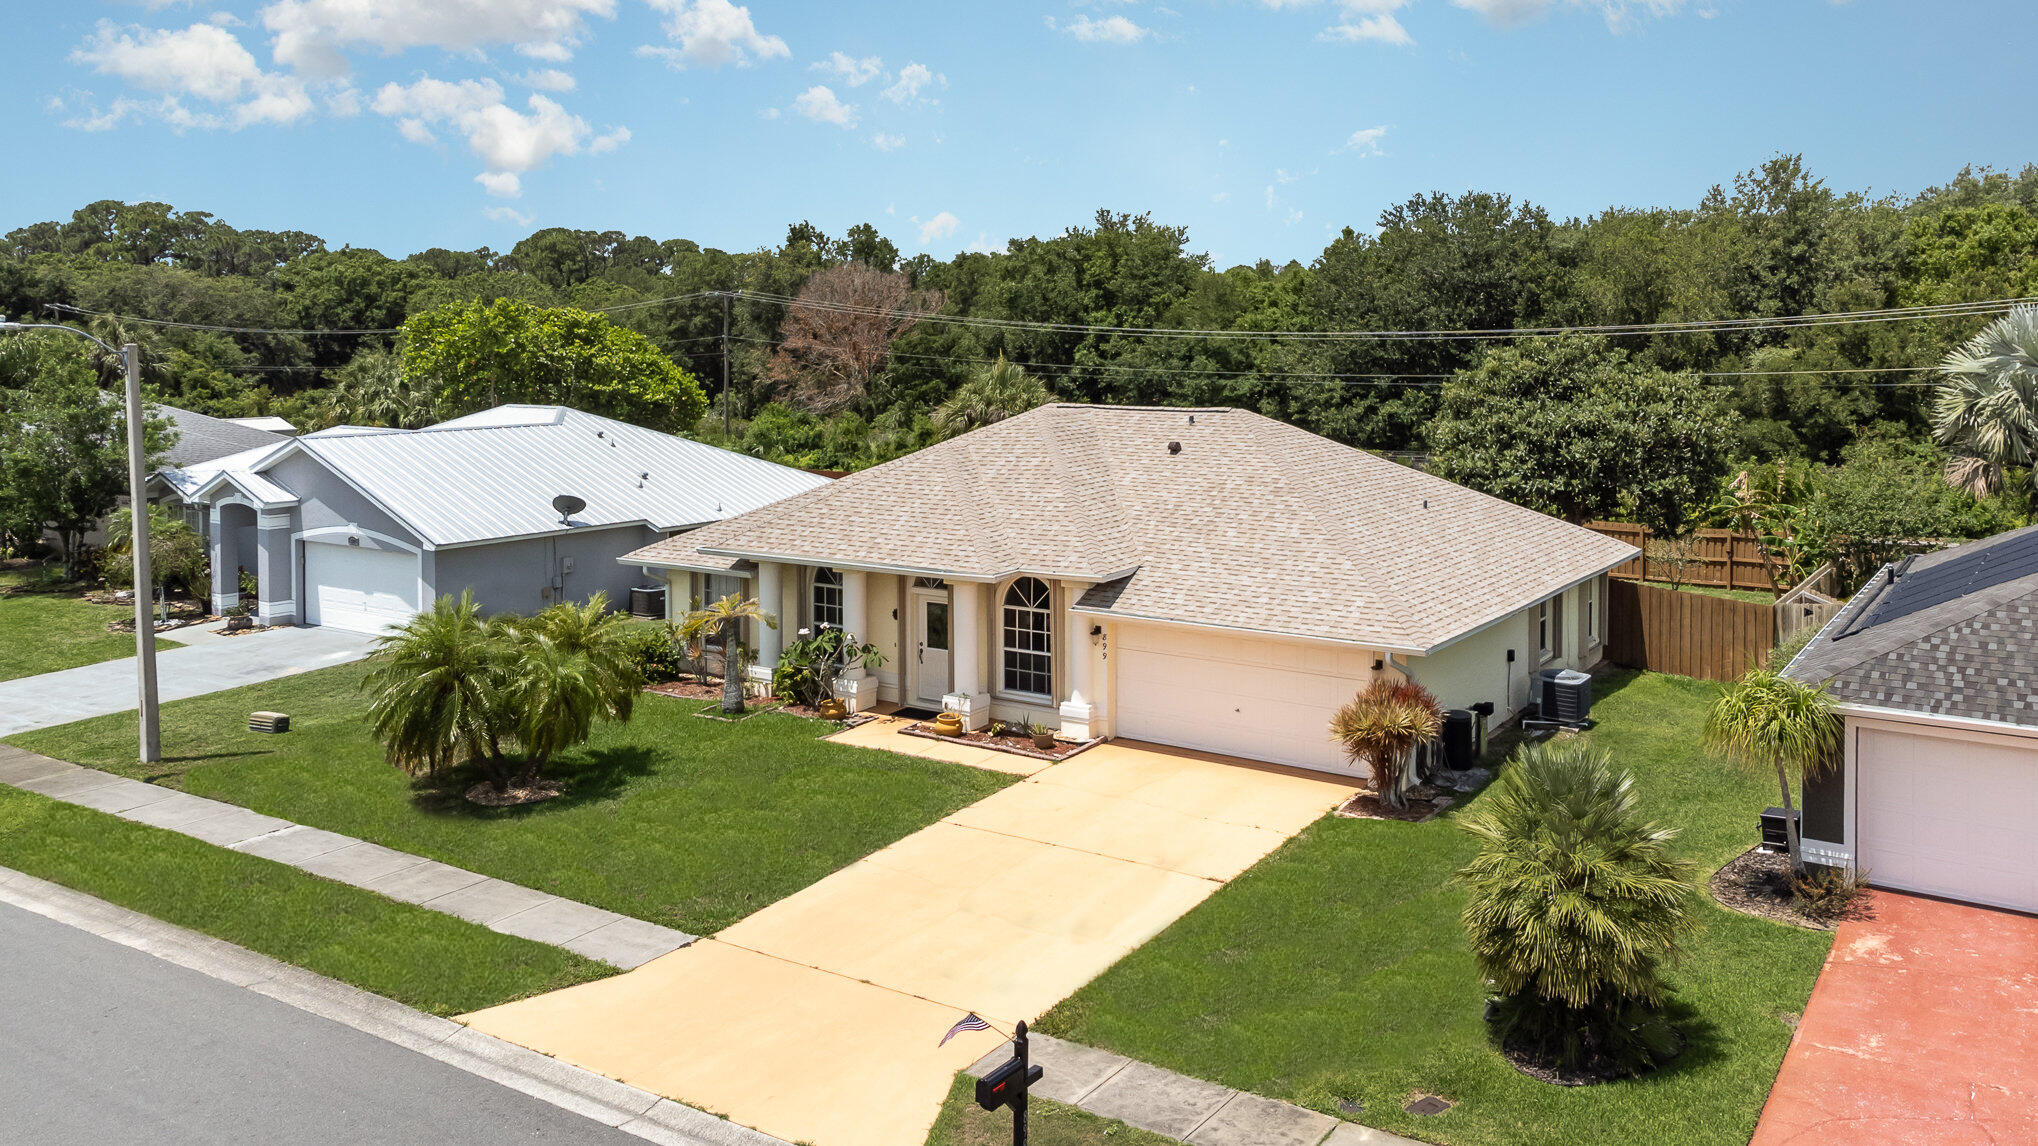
{"x": 1564, "y": 696}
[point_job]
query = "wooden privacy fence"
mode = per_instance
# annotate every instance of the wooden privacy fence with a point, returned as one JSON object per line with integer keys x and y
{"x": 1718, "y": 558}
{"x": 1690, "y": 634}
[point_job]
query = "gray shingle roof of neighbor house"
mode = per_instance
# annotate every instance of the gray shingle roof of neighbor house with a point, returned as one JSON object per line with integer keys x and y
{"x": 1252, "y": 524}
{"x": 493, "y": 475}
{"x": 203, "y": 438}
{"x": 1968, "y": 647}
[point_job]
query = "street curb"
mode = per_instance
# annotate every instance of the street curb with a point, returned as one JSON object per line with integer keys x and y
{"x": 593, "y": 1096}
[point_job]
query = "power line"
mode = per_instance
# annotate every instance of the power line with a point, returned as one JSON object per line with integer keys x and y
{"x": 341, "y": 333}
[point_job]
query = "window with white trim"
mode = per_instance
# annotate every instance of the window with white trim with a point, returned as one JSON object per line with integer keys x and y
{"x": 827, "y": 598}
{"x": 1546, "y": 629}
{"x": 1028, "y": 638}
{"x": 1592, "y": 612}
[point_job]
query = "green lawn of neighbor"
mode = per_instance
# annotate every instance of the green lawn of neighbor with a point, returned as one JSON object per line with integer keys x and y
{"x": 964, "y": 1123}
{"x": 430, "y": 961}
{"x": 1337, "y": 969}
{"x": 1759, "y": 596}
{"x": 43, "y": 632}
{"x": 684, "y": 821}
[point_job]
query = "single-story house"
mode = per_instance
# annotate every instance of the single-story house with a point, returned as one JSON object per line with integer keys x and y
{"x": 197, "y": 439}
{"x": 1207, "y": 578}
{"x": 524, "y": 505}
{"x": 1934, "y": 665}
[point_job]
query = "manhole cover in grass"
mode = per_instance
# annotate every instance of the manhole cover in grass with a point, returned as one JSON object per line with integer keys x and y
{"x": 1427, "y": 1104}
{"x": 1351, "y": 1106}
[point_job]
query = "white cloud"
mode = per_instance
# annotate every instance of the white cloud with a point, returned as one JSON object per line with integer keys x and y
{"x": 204, "y": 62}
{"x": 1619, "y": 14}
{"x": 711, "y": 33}
{"x": 1221, "y": 197}
{"x": 767, "y": 113}
{"x": 1366, "y": 142}
{"x": 1109, "y": 30}
{"x": 507, "y": 141}
{"x": 508, "y": 215}
{"x": 983, "y": 245}
{"x": 312, "y": 35}
{"x": 939, "y": 227}
{"x": 885, "y": 142}
{"x": 1270, "y": 196}
{"x": 1368, "y": 21}
{"x": 911, "y": 78}
{"x": 820, "y": 104}
{"x": 549, "y": 80}
{"x": 850, "y": 70}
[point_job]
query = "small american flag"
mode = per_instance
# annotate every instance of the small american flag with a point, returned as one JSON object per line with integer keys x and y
{"x": 969, "y": 1022}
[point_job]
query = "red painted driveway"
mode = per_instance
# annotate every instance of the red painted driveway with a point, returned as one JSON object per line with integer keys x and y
{"x": 1923, "y": 1028}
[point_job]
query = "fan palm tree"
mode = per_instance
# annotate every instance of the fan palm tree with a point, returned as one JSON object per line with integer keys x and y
{"x": 1576, "y": 903}
{"x": 993, "y": 394}
{"x": 1381, "y": 727}
{"x": 375, "y": 390}
{"x": 1768, "y": 720}
{"x": 1986, "y": 410}
{"x": 436, "y": 697}
{"x": 726, "y": 617}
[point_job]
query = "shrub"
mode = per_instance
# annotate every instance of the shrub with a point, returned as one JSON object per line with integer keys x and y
{"x": 807, "y": 667}
{"x": 1381, "y": 728}
{"x": 1576, "y": 903}
{"x": 1830, "y": 894}
{"x": 656, "y": 652}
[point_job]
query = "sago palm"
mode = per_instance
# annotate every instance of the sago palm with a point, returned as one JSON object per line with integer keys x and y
{"x": 999, "y": 391}
{"x": 1767, "y": 720}
{"x": 1576, "y": 902}
{"x": 726, "y": 616}
{"x": 435, "y": 693}
{"x": 1380, "y": 729}
{"x": 1986, "y": 410}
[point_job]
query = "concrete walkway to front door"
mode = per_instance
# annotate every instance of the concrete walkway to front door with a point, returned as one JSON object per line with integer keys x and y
{"x": 817, "y": 1019}
{"x": 54, "y": 698}
{"x": 1923, "y": 1028}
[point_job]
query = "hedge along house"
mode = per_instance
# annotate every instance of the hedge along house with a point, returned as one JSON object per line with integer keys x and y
{"x": 1207, "y": 578}
{"x": 1934, "y": 665}
{"x": 361, "y": 528}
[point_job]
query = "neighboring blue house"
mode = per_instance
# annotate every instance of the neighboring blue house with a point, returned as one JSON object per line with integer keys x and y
{"x": 360, "y": 528}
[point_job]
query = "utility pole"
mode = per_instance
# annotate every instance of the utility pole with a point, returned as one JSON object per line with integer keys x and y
{"x": 144, "y": 579}
{"x": 725, "y": 366}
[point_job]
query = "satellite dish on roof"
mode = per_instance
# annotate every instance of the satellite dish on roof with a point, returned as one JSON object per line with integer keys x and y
{"x": 568, "y": 505}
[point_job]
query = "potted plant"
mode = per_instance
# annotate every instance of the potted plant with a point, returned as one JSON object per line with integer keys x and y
{"x": 1043, "y": 736}
{"x": 237, "y": 618}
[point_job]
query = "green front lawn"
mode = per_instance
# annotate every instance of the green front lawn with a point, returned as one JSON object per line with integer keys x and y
{"x": 683, "y": 821}
{"x": 430, "y": 961}
{"x": 43, "y": 632}
{"x": 1048, "y": 1123}
{"x": 1337, "y": 969}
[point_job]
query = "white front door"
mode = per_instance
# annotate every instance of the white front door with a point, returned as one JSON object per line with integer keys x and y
{"x": 365, "y": 590}
{"x": 929, "y": 670}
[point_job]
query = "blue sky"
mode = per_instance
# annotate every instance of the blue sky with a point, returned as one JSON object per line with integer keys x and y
{"x": 1261, "y": 125}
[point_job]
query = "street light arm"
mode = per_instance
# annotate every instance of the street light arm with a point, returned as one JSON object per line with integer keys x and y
{"x": 88, "y": 336}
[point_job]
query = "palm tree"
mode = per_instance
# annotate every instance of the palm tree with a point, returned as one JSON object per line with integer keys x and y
{"x": 375, "y": 390}
{"x": 555, "y": 696}
{"x": 1768, "y": 720}
{"x": 436, "y": 697}
{"x": 1576, "y": 902}
{"x": 1381, "y": 727}
{"x": 602, "y": 636}
{"x": 1987, "y": 408}
{"x": 726, "y": 617}
{"x": 993, "y": 394}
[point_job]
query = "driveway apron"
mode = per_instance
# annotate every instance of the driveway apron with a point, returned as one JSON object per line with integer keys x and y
{"x": 1923, "y": 1028}
{"x": 818, "y": 1018}
{"x": 213, "y": 666}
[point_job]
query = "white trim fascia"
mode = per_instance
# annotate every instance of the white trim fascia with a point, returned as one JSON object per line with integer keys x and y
{"x": 1371, "y": 646}
{"x": 921, "y": 571}
{"x": 1503, "y": 617}
{"x": 1962, "y": 723}
{"x": 205, "y": 492}
{"x": 350, "y": 531}
{"x": 740, "y": 574}
{"x": 562, "y": 531}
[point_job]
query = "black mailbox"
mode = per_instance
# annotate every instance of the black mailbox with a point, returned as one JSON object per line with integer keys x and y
{"x": 1002, "y": 1085}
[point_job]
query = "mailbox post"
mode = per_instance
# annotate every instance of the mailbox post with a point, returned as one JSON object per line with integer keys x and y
{"x": 1007, "y": 1083}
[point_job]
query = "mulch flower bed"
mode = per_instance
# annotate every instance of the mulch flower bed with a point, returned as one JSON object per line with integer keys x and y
{"x": 485, "y": 794}
{"x": 1758, "y": 883}
{"x": 1018, "y": 744}
{"x": 687, "y": 689}
{"x": 1422, "y": 803}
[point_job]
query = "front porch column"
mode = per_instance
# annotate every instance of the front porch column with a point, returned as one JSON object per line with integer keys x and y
{"x": 1078, "y": 711}
{"x": 769, "y": 639}
{"x": 275, "y": 570}
{"x": 855, "y": 687}
{"x": 969, "y": 700}
{"x": 226, "y": 567}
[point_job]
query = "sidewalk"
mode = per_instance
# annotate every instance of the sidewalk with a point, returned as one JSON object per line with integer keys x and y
{"x": 505, "y": 907}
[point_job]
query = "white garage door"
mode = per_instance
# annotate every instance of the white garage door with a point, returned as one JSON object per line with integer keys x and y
{"x": 1942, "y": 816}
{"x": 366, "y": 590}
{"x": 1262, "y": 700}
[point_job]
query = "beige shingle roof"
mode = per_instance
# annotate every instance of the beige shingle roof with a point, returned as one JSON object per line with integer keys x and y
{"x": 1253, "y": 525}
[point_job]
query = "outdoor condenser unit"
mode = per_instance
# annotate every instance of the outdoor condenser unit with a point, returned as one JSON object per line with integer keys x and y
{"x": 1564, "y": 695}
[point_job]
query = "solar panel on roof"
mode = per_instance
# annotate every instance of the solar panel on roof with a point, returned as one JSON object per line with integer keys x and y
{"x": 1919, "y": 589}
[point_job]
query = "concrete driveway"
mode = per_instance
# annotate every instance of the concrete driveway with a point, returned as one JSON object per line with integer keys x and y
{"x": 194, "y": 670}
{"x": 817, "y": 1018}
{"x": 1923, "y": 1028}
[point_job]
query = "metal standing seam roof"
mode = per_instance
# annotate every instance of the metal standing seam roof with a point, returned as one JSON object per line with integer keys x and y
{"x": 494, "y": 475}
{"x": 1252, "y": 524}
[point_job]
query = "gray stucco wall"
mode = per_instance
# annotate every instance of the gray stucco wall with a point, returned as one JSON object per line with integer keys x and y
{"x": 515, "y": 576}
{"x": 325, "y": 501}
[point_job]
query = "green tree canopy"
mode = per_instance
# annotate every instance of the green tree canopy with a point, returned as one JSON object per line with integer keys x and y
{"x": 484, "y": 354}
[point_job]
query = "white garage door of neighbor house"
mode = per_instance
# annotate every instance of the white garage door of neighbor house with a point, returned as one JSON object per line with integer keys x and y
{"x": 1950, "y": 817}
{"x": 1240, "y": 696}
{"x": 365, "y": 590}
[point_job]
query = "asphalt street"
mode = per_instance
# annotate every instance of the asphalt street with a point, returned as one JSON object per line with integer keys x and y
{"x": 103, "y": 1043}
